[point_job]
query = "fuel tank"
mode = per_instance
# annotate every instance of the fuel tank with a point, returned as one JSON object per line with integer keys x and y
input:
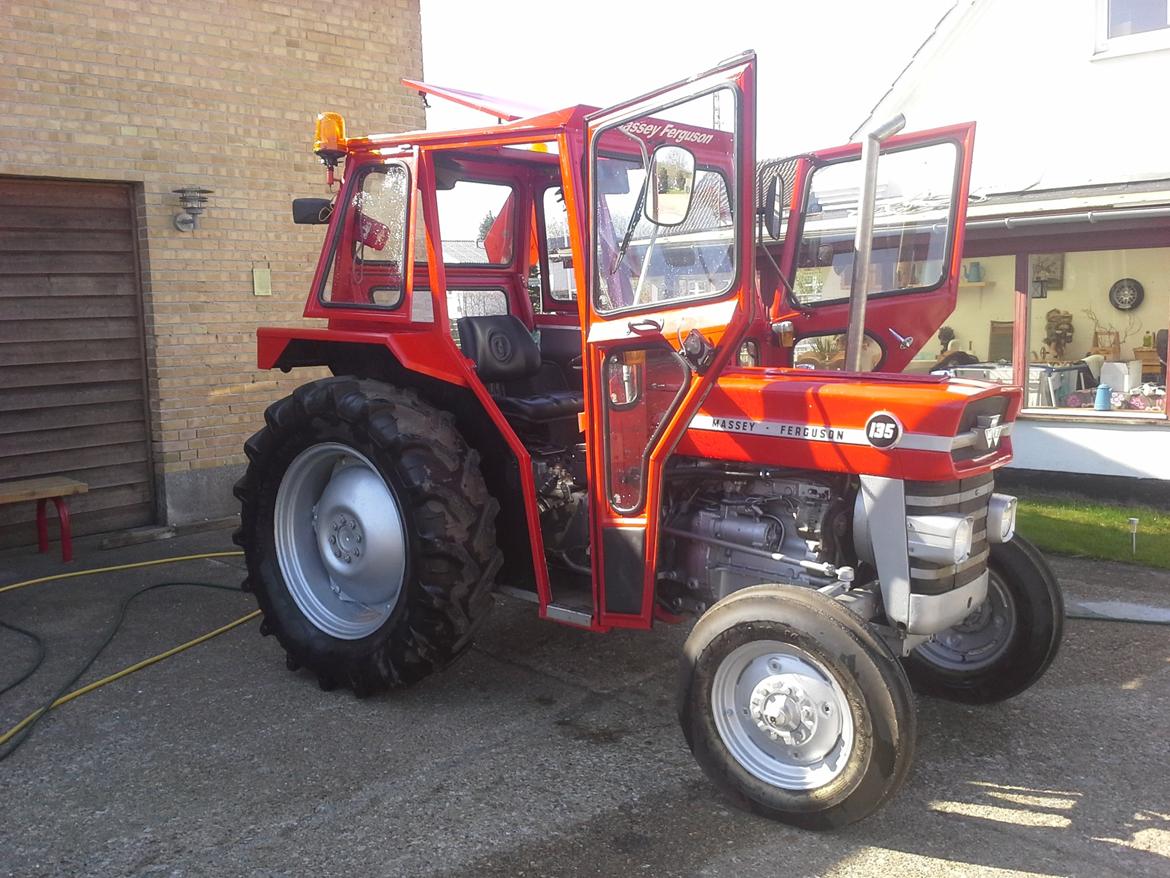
{"x": 924, "y": 428}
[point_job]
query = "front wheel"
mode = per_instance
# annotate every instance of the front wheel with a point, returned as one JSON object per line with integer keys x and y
{"x": 794, "y": 709}
{"x": 1003, "y": 646}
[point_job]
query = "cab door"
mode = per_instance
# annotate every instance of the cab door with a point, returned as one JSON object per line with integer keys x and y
{"x": 670, "y": 274}
{"x": 919, "y": 218}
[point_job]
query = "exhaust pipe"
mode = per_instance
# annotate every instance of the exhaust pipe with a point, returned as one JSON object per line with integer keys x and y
{"x": 863, "y": 242}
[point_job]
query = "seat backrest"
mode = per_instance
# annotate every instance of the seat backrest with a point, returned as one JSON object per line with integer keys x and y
{"x": 501, "y": 346}
{"x": 1160, "y": 343}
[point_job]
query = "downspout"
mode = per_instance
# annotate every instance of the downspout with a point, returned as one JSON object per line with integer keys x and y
{"x": 863, "y": 241}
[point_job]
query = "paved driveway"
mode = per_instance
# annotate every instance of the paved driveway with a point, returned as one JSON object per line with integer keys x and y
{"x": 545, "y": 751}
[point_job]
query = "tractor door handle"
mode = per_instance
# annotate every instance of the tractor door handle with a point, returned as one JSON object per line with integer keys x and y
{"x": 904, "y": 341}
{"x": 644, "y": 326}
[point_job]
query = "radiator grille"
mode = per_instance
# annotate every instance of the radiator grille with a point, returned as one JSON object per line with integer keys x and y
{"x": 966, "y": 497}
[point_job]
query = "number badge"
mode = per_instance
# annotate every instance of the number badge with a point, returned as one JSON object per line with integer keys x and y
{"x": 883, "y": 430}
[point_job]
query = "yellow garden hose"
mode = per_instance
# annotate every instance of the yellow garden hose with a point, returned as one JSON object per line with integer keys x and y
{"x": 125, "y": 672}
{"x": 65, "y": 698}
{"x": 116, "y": 567}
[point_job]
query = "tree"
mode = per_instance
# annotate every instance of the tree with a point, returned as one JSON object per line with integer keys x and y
{"x": 485, "y": 226}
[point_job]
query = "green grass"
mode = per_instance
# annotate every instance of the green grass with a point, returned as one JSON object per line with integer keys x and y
{"x": 1067, "y": 525}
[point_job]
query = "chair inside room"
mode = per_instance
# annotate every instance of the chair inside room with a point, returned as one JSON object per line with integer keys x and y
{"x": 999, "y": 342}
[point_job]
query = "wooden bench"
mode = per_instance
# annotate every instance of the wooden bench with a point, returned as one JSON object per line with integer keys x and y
{"x": 55, "y": 488}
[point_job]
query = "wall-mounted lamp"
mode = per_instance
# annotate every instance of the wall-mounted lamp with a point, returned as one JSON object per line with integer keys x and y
{"x": 193, "y": 200}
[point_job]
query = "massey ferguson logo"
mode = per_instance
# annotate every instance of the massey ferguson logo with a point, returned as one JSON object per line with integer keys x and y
{"x": 883, "y": 430}
{"x": 988, "y": 431}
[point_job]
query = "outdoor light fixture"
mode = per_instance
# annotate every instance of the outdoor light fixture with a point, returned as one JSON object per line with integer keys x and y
{"x": 194, "y": 201}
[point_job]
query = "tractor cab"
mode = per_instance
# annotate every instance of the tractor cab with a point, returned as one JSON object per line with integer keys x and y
{"x": 598, "y": 360}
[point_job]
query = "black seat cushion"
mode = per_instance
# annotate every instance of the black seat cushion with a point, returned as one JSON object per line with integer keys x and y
{"x": 501, "y": 346}
{"x": 549, "y": 406}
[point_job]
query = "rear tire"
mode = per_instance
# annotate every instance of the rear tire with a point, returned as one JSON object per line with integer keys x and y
{"x": 368, "y": 532}
{"x": 1007, "y": 644}
{"x": 794, "y": 709}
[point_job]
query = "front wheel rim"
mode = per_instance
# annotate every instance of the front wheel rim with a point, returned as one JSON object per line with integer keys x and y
{"x": 782, "y": 715}
{"x": 979, "y": 640}
{"x": 340, "y": 540}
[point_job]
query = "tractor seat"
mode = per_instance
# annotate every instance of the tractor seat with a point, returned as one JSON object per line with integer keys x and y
{"x": 505, "y": 353}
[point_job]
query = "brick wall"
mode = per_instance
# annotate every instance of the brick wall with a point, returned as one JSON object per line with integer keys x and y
{"x": 215, "y": 94}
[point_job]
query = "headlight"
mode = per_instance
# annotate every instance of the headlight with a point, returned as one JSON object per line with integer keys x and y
{"x": 940, "y": 539}
{"x": 1001, "y": 518}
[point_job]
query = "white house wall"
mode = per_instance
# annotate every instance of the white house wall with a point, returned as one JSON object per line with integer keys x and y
{"x": 1131, "y": 450}
{"x": 1026, "y": 72}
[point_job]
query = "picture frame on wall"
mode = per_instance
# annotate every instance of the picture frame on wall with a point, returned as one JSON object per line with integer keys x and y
{"x": 1049, "y": 268}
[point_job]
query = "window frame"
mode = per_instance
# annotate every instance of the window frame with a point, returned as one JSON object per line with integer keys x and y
{"x": 1105, "y": 46}
{"x": 550, "y": 303}
{"x": 1021, "y": 246}
{"x": 510, "y": 265}
{"x": 352, "y": 186}
{"x": 735, "y": 243}
{"x": 790, "y": 288}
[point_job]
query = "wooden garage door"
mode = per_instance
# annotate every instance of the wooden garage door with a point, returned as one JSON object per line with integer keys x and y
{"x": 72, "y": 392}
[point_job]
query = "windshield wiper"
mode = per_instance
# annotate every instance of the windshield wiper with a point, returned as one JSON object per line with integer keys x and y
{"x": 629, "y": 235}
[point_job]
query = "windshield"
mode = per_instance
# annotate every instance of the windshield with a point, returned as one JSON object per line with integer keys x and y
{"x": 640, "y": 262}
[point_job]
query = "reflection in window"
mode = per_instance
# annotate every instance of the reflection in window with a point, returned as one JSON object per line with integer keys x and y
{"x": 1128, "y": 17}
{"x": 366, "y": 268}
{"x": 638, "y": 261}
{"x": 827, "y": 352}
{"x": 641, "y": 389}
{"x": 911, "y": 219}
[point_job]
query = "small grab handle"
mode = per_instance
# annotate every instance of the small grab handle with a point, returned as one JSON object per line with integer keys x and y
{"x": 645, "y": 325}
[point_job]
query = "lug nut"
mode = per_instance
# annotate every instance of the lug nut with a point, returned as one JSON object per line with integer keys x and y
{"x": 332, "y": 541}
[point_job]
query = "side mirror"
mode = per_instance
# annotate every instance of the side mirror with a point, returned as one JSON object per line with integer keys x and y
{"x": 672, "y": 184}
{"x": 312, "y": 211}
{"x": 773, "y": 210}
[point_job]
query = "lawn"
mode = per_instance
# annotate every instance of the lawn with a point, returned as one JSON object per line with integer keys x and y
{"x": 1074, "y": 526}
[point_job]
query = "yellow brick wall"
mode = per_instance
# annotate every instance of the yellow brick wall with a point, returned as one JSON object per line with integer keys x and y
{"x": 215, "y": 94}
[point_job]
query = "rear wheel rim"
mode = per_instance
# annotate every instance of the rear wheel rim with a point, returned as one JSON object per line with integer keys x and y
{"x": 340, "y": 540}
{"x": 979, "y": 640}
{"x": 782, "y": 715}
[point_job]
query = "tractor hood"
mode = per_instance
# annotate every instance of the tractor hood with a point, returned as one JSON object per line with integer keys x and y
{"x": 905, "y": 427}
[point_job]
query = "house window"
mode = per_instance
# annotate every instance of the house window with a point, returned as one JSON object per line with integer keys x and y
{"x": 1131, "y": 26}
{"x": 1128, "y": 17}
{"x": 1095, "y": 318}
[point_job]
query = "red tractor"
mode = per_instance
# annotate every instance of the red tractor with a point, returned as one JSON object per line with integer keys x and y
{"x": 599, "y": 361}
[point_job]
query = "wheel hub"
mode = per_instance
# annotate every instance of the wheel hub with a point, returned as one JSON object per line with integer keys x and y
{"x": 340, "y": 540}
{"x": 783, "y": 710}
{"x": 981, "y": 638}
{"x": 782, "y": 715}
{"x": 345, "y": 541}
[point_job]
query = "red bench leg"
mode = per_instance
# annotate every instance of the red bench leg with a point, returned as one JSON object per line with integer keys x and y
{"x": 66, "y": 530}
{"x": 42, "y": 528}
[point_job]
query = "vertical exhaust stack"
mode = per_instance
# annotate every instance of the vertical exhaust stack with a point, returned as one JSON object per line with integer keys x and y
{"x": 863, "y": 243}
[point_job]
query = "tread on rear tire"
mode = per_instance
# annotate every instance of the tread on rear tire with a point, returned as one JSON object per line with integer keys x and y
{"x": 448, "y": 519}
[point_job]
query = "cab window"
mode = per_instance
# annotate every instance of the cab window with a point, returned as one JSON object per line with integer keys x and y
{"x": 366, "y": 264}
{"x": 664, "y": 211}
{"x": 562, "y": 283}
{"x": 911, "y": 235}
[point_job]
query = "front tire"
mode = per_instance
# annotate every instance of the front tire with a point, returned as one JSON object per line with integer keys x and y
{"x": 794, "y": 709}
{"x": 1006, "y": 644}
{"x": 368, "y": 532}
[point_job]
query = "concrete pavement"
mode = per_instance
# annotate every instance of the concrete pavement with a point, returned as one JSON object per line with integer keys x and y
{"x": 545, "y": 751}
